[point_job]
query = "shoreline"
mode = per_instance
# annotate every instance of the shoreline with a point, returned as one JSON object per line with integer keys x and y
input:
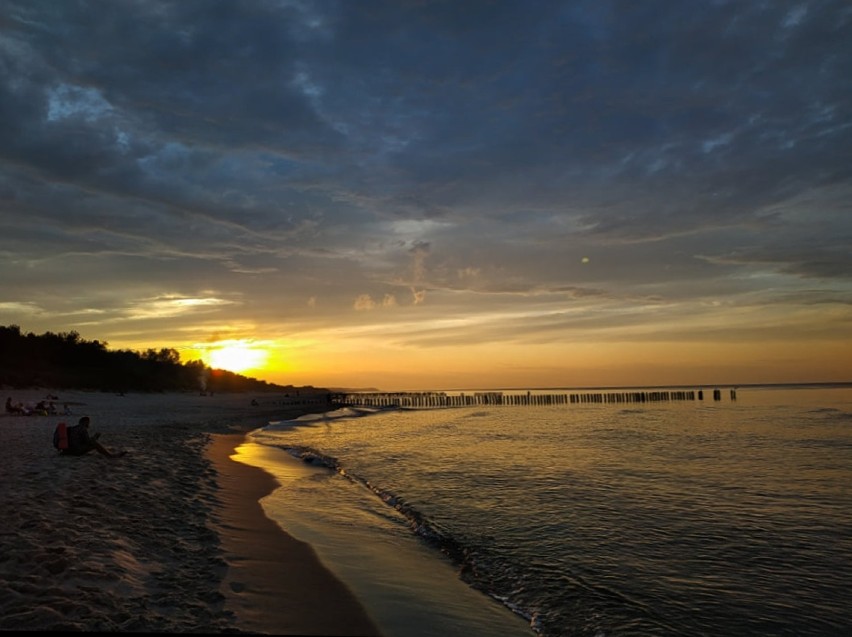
{"x": 275, "y": 584}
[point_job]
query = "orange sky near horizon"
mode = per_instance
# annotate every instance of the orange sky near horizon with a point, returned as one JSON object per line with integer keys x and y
{"x": 489, "y": 366}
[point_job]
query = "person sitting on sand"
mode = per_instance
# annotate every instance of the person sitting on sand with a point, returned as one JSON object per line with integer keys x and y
{"x": 81, "y": 443}
{"x": 13, "y": 409}
{"x": 46, "y": 408}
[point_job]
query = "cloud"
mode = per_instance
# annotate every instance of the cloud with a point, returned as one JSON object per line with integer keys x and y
{"x": 364, "y": 302}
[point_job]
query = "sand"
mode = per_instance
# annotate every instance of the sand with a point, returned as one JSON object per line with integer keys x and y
{"x": 170, "y": 538}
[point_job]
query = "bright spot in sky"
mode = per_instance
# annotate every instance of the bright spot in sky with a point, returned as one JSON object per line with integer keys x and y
{"x": 585, "y": 259}
{"x": 236, "y": 357}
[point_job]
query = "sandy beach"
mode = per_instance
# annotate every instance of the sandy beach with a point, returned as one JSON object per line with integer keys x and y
{"x": 170, "y": 538}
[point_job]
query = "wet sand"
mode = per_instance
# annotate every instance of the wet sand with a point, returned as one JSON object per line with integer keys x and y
{"x": 275, "y": 583}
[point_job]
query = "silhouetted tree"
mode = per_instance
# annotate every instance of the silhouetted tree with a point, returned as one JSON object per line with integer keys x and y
{"x": 67, "y": 361}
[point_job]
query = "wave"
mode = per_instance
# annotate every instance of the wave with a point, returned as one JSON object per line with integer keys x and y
{"x": 831, "y": 413}
{"x": 418, "y": 522}
{"x": 474, "y": 567}
{"x": 328, "y": 416}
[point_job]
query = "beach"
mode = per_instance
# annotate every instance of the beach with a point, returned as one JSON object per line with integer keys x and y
{"x": 678, "y": 518}
{"x": 169, "y": 538}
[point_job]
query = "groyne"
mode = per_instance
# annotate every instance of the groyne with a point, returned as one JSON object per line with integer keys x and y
{"x": 425, "y": 400}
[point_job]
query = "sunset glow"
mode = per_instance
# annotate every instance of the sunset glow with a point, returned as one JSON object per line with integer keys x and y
{"x": 236, "y": 356}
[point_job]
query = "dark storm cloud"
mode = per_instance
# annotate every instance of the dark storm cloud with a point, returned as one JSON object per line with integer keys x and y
{"x": 640, "y": 94}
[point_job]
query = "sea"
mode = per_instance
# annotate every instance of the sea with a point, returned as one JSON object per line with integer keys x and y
{"x": 715, "y": 516}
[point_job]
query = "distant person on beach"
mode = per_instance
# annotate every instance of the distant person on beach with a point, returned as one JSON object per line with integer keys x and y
{"x": 43, "y": 408}
{"x": 13, "y": 409}
{"x": 81, "y": 443}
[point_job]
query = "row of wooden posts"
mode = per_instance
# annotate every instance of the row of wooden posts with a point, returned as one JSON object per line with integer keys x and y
{"x": 442, "y": 399}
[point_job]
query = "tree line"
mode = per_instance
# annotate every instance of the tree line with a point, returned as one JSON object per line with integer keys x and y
{"x": 67, "y": 361}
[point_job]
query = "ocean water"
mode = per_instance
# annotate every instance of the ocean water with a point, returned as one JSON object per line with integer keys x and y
{"x": 729, "y": 517}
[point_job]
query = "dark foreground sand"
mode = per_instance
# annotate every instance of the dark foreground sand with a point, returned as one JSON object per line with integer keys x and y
{"x": 170, "y": 538}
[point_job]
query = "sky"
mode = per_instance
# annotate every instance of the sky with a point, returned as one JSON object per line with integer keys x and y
{"x": 435, "y": 194}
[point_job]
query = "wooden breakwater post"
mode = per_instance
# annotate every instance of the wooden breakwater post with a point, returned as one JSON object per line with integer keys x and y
{"x": 436, "y": 399}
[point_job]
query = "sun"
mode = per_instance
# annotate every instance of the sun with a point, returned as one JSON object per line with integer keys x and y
{"x": 237, "y": 357}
